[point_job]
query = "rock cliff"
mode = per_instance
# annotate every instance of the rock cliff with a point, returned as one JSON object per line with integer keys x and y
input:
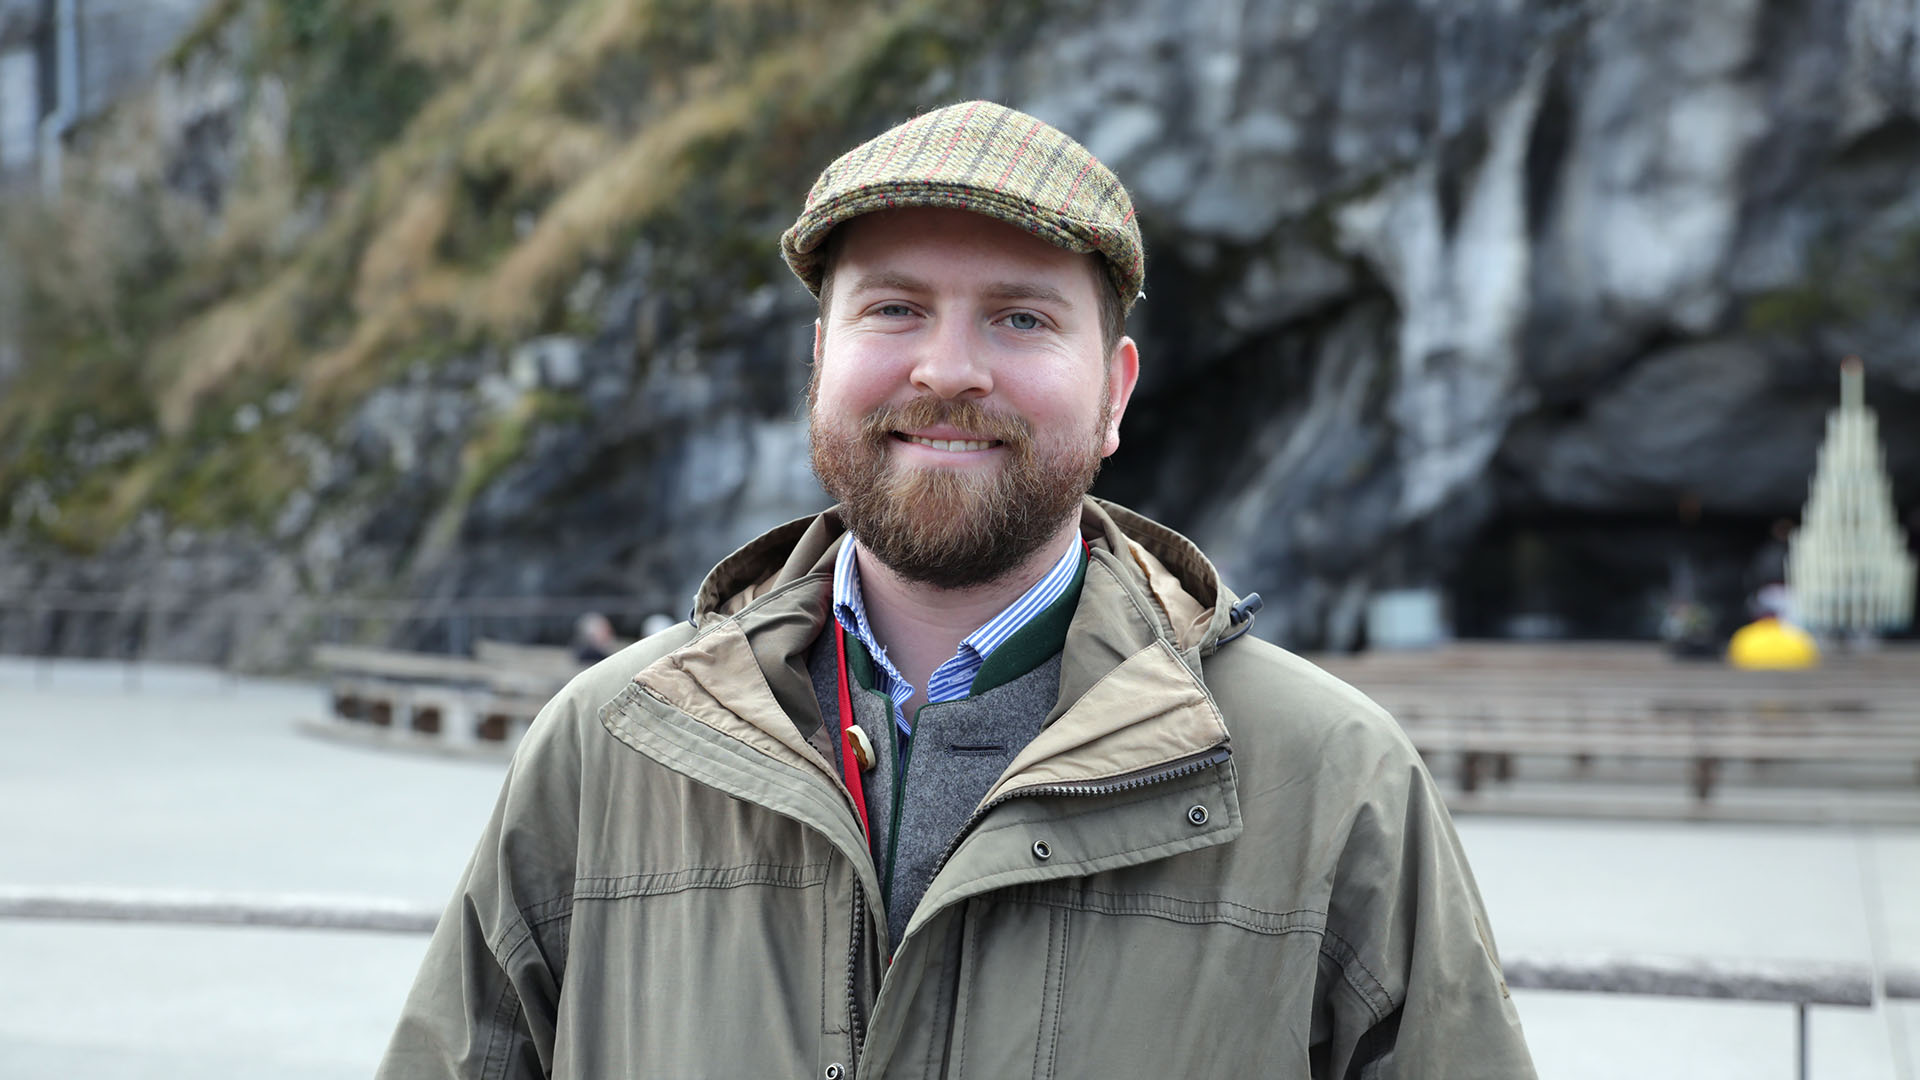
{"x": 1519, "y": 299}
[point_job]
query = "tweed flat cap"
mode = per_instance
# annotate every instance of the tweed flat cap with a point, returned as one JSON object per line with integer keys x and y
{"x": 991, "y": 160}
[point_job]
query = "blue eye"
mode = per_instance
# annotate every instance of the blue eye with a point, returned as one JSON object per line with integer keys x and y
{"x": 895, "y": 309}
{"x": 1023, "y": 320}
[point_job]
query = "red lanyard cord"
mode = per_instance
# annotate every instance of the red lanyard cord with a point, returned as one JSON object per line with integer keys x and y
{"x": 849, "y": 758}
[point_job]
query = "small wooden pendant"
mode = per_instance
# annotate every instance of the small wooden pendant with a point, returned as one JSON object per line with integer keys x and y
{"x": 862, "y": 748}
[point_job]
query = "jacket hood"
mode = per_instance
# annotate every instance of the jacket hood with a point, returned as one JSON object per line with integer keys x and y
{"x": 1193, "y": 609}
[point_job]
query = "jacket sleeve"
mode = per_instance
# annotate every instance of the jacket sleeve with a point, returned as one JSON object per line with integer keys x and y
{"x": 1411, "y": 981}
{"x": 486, "y": 999}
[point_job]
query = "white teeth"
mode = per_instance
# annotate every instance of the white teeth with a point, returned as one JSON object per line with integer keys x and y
{"x": 950, "y": 444}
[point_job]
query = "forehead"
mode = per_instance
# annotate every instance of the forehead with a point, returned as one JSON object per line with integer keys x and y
{"x": 958, "y": 250}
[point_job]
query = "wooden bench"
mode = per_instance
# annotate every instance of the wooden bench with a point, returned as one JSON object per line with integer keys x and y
{"x": 1703, "y": 754}
{"x": 1488, "y": 704}
{"x": 553, "y": 662}
{"x": 454, "y": 699}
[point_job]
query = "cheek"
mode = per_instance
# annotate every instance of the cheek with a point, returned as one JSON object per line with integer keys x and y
{"x": 851, "y": 377}
{"x": 1056, "y": 400}
{"x": 834, "y": 390}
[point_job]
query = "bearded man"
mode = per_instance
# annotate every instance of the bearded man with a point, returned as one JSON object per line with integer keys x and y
{"x": 970, "y": 775}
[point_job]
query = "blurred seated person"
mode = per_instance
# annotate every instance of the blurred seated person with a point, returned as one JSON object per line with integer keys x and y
{"x": 593, "y": 639}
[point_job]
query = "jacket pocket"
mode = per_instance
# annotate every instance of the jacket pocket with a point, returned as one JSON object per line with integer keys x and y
{"x": 710, "y": 971}
{"x": 1068, "y": 981}
{"x": 1006, "y": 1015}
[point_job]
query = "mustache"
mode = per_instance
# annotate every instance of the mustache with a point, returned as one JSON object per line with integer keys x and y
{"x": 928, "y": 411}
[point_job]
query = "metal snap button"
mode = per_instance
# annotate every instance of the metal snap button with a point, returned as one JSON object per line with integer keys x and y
{"x": 1042, "y": 850}
{"x": 1197, "y": 815}
{"x": 836, "y": 1071}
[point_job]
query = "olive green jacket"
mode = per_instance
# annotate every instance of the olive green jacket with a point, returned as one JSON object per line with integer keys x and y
{"x": 1214, "y": 861}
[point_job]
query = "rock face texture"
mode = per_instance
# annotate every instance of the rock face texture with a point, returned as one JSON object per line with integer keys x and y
{"x": 1495, "y": 260}
{"x": 1433, "y": 288}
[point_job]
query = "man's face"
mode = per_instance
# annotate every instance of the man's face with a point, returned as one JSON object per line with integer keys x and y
{"x": 961, "y": 402}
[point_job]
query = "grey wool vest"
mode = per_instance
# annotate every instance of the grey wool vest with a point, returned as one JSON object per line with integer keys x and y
{"x": 959, "y": 748}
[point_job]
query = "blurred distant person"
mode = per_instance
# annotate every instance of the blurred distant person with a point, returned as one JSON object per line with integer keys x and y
{"x": 1772, "y": 642}
{"x": 1687, "y": 628}
{"x": 1775, "y": 602}
{"x": 1769, "y": 564}
{"x": 1686, "y": 625}
{"x": 970, "y": 775}
{"x": 593, "y": 639}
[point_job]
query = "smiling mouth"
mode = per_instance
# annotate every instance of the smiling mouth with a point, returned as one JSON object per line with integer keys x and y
{"x": 951, "y": 445}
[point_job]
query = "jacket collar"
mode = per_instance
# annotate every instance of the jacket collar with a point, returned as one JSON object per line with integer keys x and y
{"x": 1193, "y": 606}
{"x": 1131, "y": 696}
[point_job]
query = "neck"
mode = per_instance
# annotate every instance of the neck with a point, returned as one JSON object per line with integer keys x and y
{"x": 921, "y": 625}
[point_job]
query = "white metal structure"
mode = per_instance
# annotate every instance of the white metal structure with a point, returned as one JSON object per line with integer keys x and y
{"x": 1848, "y": 565}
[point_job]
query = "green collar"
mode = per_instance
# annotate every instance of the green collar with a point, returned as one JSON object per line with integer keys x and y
{"x": 1036, "y": 642}
{"x": 857, "y": 660}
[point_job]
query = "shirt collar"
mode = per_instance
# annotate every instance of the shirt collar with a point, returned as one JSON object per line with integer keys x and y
{"x": 850, "y": 610}
{"x": 995, "y": 631}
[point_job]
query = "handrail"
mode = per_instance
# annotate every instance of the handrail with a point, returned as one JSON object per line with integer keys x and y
{"x": 1801, "y": 984}
{"x": 141, "y": 601}
{"x": 122, "y": 625}
{"x": 291, "y": 911}
{"x": 1747, "y": 980}
{"x": 1793, "y": 982}
{"x": 1900, "y": 983}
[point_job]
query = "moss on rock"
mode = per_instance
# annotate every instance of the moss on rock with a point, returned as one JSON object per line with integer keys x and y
{"x": 445, "y": 172}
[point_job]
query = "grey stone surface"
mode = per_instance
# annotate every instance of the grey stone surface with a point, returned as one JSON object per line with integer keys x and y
{"x": 111, "y": 1001}
{"x": 193, "y": 782}
{"x": 1753, "y": 894}
{"x": 190, "y": 781}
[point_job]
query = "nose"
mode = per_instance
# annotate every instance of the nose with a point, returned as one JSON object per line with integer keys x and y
{"x": 951, "y": 363}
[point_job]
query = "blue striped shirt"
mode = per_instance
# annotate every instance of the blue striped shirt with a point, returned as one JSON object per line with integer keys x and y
{"x": 953, "y": 679}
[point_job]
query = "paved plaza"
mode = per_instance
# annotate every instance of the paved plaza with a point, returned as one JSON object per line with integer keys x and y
{"x": 181, "y": 779}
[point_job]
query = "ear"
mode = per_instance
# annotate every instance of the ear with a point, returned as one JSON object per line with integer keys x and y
{"x": 816, "y": 341}
{"x": 1123, "y": 372}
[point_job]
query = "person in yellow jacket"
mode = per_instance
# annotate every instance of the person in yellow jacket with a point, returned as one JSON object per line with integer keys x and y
{"x": 1771, "y": 642}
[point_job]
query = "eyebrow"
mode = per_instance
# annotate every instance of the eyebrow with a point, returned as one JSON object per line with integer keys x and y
{"x": 890, "y": 281}
{"x": 893, "y": 281}
{"x": 1020, "y": 290}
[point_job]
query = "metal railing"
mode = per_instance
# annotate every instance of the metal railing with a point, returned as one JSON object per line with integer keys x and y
{"x": 1802, "y": 985}
{"x": 126, "y": 626}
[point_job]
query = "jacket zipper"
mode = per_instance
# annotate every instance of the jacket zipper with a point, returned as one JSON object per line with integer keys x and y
{"x": 1128, "y": 782}
{"x": 856, "y": 1023}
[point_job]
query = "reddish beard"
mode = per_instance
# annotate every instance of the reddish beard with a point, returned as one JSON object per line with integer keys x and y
{"x": 952, "y": 528}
